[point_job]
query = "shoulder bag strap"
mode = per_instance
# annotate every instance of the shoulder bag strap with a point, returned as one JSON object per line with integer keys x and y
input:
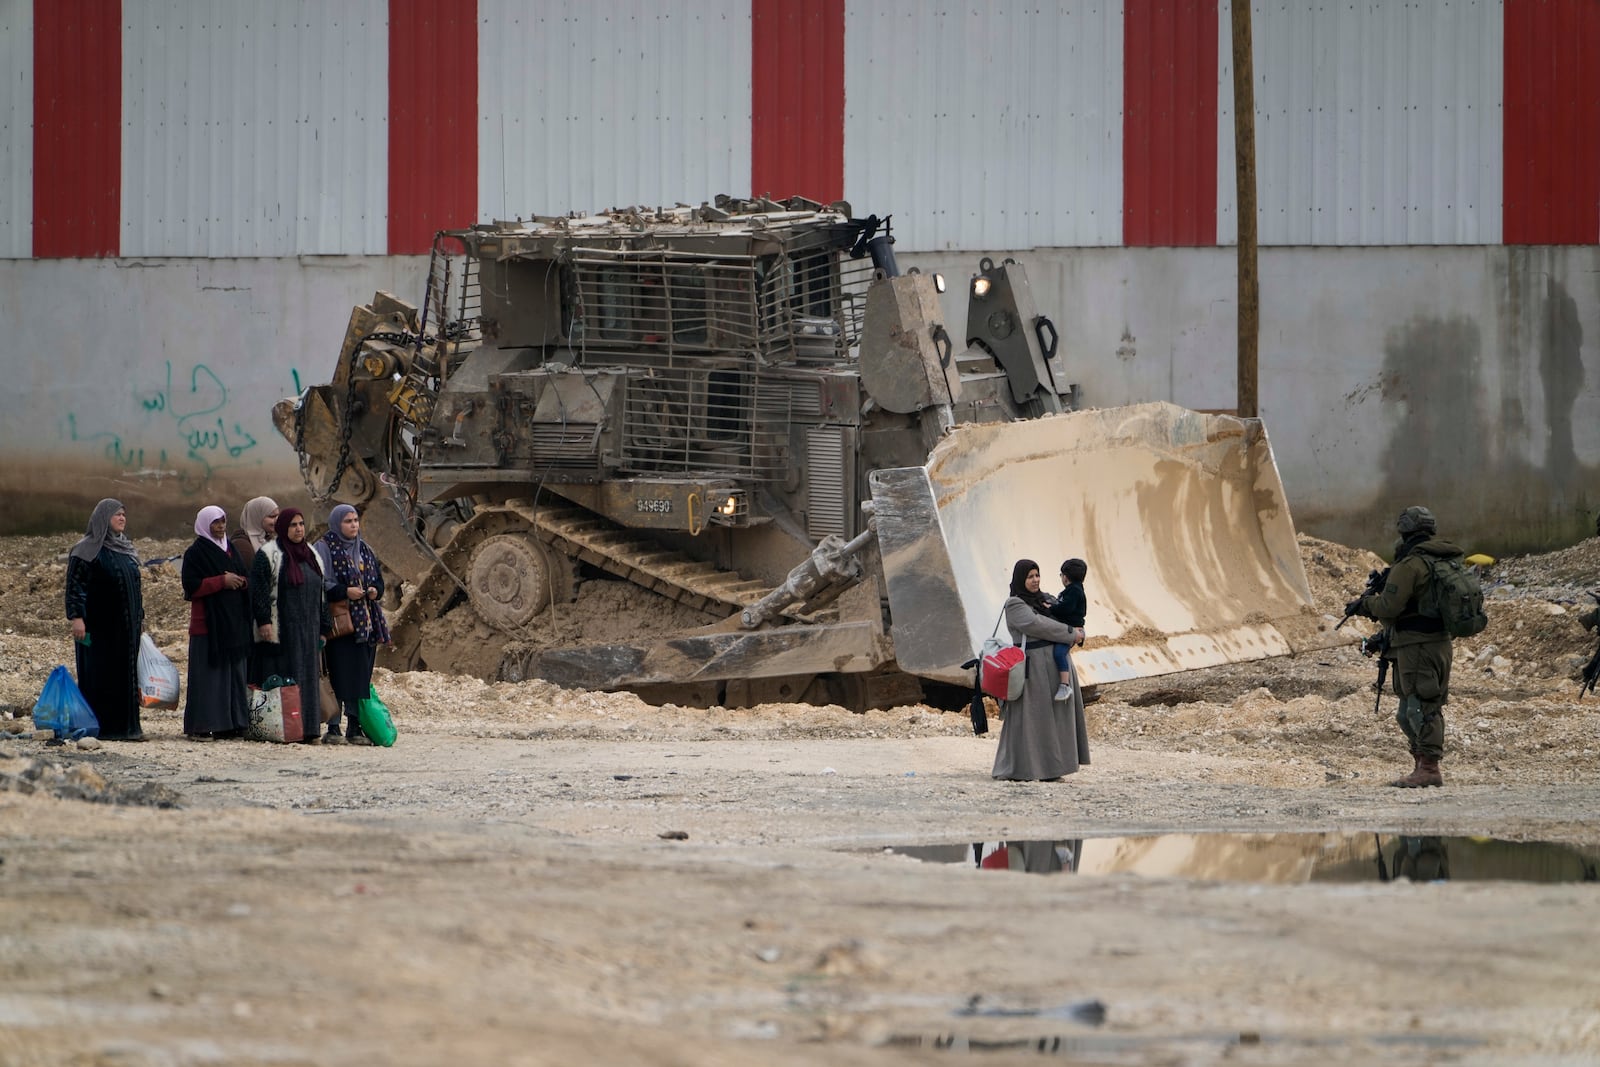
{"x": 996, "y": 629}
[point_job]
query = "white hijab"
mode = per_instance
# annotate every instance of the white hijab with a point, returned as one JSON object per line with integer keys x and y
{"x": 202, "y": 525}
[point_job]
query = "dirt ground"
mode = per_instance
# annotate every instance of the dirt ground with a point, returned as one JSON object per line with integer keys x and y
{"x": 536, "y": 876}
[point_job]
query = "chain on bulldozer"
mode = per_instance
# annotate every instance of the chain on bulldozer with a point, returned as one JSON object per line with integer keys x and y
{"x": 343, "y": 462}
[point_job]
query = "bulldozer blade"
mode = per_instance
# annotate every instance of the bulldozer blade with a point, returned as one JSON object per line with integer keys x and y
{"x": 383, "y": 524}
{"x": 846, "y": 647}
{"x": 319, "y": 432}
{"x": 1181, "y": 517}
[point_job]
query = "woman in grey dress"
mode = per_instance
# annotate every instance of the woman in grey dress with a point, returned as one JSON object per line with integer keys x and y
{"x": 291, "y": 614}
{"x": 1041, "y": 739}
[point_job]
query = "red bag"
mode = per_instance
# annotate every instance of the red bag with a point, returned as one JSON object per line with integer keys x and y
{"x": 275, "y": 714}
{"x": 1003, "y": 670}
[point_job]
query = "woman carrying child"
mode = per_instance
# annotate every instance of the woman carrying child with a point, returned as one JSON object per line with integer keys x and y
{"x": 1041, "y": 738}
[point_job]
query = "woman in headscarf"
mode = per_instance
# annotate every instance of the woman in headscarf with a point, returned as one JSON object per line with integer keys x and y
{"x": 350, "y": 573}
{"x": 214, "y": 583}
{"x": 105, "y": 605}
{"x": 291, "y": 614}
{"x": 1041, "y": 739}
{"x": 256, "y": 528}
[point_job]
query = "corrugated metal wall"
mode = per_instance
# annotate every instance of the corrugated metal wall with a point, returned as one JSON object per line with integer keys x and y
{"x": 1169, "y": 123}
{"x": 990, "y": 126}
{"x": 1552, "y": 122}
{"x": 255, "y": 129}
{"x": 16, "y": 130}
{"x": 433, "y": 120}
{"x": 797, "y": 99}
{"x": 1377, "y": 123}
{"x": 590, "y": 106}
{"x": 77, "y": 128}
{"x": 285, "y": 127}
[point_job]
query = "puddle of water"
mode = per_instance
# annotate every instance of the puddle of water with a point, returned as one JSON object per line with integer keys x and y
{"x": 1282, "y": 859}
{"x": 1182, "y": 1047}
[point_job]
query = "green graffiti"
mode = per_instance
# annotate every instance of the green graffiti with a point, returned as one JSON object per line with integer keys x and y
{"x": 191, "y": 419}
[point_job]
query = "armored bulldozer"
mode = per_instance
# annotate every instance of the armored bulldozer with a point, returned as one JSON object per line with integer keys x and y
{"x": 746, "y": 411}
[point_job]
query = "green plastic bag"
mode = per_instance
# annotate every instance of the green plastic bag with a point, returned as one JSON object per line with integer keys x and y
{"x": 376, "y": 722}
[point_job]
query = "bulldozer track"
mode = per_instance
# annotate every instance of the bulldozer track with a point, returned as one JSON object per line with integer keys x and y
{"x": 581, "y": 536}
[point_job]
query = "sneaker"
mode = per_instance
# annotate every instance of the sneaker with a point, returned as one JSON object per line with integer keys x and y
{"x": 333, "y": 739}
{"x": 1063, "y": 692}
{"x": 358, "y": 739}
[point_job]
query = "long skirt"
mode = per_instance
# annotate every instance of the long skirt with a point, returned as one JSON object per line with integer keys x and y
{"x": 1042, "y": 738}
{"x": 108, "y": 677}
{"x": 216, "y": 701}
{"x": 294, "y": 654}
{"x": 350, "y": 672}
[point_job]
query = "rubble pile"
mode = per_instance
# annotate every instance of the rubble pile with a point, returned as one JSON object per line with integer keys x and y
{"x": 46, "y": 767}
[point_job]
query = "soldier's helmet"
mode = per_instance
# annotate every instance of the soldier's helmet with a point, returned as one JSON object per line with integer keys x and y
{"x": 1415, "y": 519}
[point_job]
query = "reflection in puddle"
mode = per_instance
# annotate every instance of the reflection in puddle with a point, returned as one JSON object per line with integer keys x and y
{"x": 1281, "y": 858}
{"x": 1190, "y": 1047}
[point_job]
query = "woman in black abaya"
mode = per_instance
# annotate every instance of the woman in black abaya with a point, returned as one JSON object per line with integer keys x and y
{"x": 291, "y": 614}
{"x": 105, "y": 605}
{"x": 214, "y": 583}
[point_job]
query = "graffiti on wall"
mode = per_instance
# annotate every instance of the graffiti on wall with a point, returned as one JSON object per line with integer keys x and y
{"x": 186, "y": 432}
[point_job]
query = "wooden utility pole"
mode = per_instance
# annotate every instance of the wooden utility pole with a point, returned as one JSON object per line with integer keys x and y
{"x": 1244, "y": 156}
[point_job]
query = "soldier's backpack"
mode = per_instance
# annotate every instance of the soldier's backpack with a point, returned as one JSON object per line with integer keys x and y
{"x": 1454, "y": 597}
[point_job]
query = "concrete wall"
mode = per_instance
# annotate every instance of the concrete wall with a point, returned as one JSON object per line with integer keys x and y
{"x": 152, "y": 380}
{"x": 1465, "y": 378}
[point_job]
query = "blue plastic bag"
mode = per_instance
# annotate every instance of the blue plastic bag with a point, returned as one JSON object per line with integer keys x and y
{"x": 61, "y": 708}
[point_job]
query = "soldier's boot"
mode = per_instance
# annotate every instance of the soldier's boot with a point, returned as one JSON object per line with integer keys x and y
{"x": 1416, "y": 761}
{"x": 1425, "y": 773}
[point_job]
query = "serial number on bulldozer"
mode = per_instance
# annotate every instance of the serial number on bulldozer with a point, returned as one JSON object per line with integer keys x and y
{"x": 656, "y": 507}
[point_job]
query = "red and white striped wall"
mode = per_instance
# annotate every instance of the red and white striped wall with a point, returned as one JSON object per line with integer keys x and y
{"x": 236, "y": 128}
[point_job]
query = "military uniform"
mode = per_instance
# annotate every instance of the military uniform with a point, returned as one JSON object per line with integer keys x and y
{"x": 1419, "y": 647}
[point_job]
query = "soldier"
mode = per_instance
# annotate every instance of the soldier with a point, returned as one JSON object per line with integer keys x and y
{"x": 1419, "y": 647}
{"x": 1591, "y": 670}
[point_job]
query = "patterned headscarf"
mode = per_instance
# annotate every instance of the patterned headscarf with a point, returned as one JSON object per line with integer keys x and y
{"x": 202, "y": 525}
{"x": 348, "y": 561}
{"x": 336, "y": 522}
{"x": 100, "y": 535}
{"x": 256, "y": 510}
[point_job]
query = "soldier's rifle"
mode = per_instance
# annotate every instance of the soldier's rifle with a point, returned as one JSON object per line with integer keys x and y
{"x": 1378, "y": 645}
{"x": 1375, "y": 584}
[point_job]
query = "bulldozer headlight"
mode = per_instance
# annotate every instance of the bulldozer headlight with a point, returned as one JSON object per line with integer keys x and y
{"x": 980, "y": 287}
{"x": 729, "y": 506}
{"x": 938, "y": 282}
